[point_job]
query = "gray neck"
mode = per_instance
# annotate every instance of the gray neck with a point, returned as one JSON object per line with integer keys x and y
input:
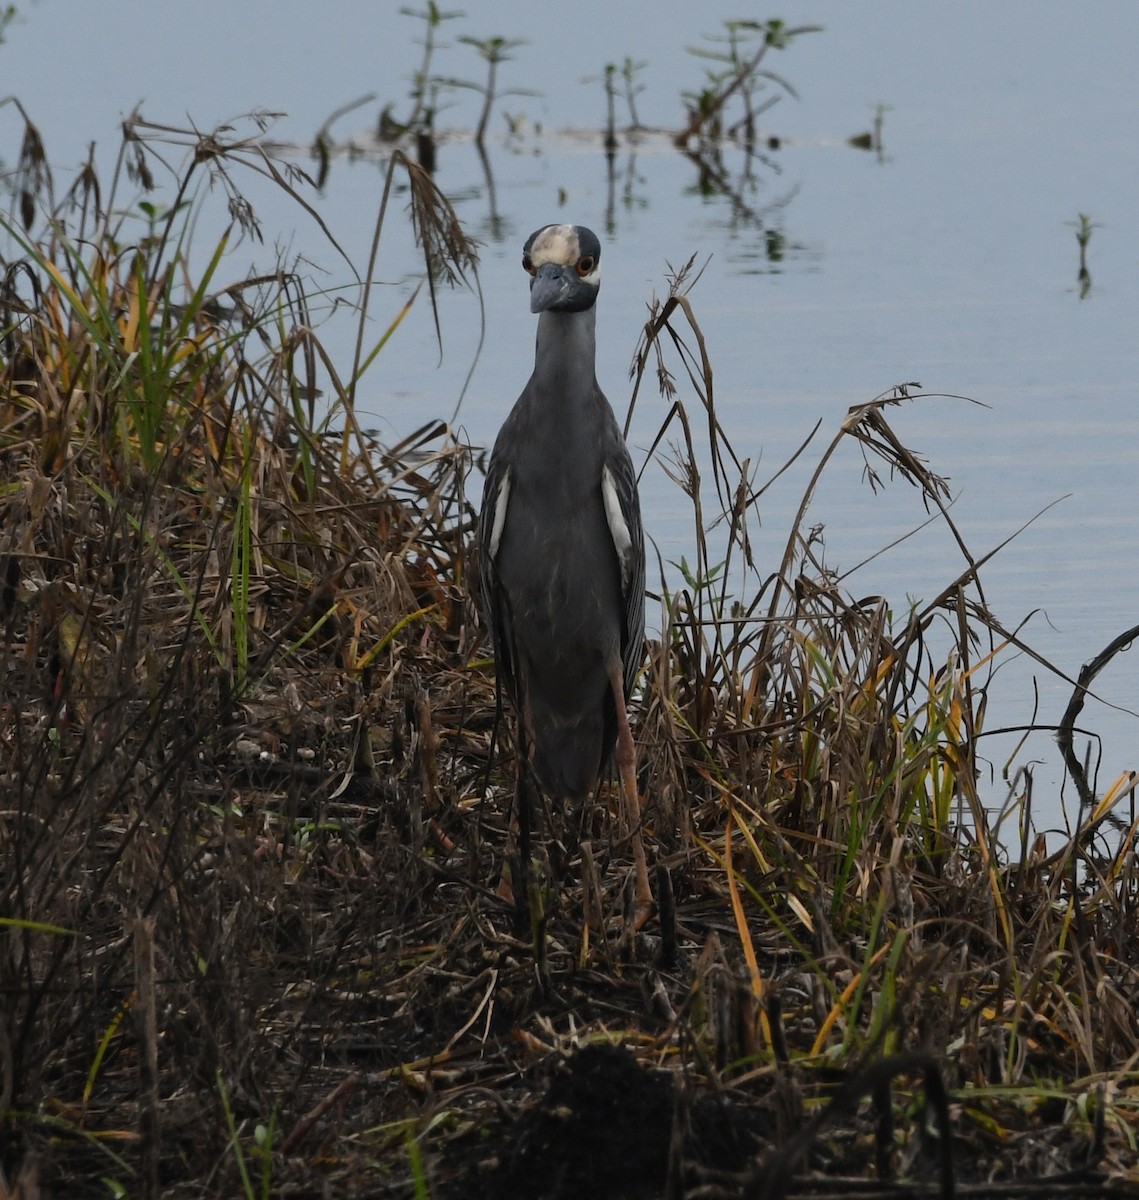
{"x": 565, "y": 355}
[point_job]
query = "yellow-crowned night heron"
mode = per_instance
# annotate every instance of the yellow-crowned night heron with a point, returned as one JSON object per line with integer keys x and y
{"x": 562, "y": 550}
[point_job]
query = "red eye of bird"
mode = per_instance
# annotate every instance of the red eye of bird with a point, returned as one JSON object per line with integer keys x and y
{"x": 528, "y": 264}
{"x": 585, "y": 265}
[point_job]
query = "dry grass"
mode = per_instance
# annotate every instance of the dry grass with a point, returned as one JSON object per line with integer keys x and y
{"x": 253, "y": 816}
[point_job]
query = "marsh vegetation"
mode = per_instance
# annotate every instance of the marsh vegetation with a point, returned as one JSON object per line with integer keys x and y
{"x": 256, "y": 804}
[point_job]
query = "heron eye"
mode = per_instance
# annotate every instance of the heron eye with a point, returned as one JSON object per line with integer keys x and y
{"x": 528, "y": 264}
{"x": 585, "y": 265}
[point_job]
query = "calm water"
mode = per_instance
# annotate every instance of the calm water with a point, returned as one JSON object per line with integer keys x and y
{"x": 948, "y": 260}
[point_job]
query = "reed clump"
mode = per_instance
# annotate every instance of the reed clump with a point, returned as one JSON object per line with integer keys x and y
{"x": 255, "y": 814}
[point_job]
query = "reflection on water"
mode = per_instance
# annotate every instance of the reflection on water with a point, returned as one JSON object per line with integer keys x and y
{"x": 1084, "y": 227}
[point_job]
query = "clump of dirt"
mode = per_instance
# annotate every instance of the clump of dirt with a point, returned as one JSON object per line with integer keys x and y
{"x": 603, "y": 1125}
{"x": 607, "y": 1126}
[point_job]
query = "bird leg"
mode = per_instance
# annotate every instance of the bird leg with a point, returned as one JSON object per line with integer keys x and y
{"x": 627, "y": 771}
{"x": 524, "y": 811}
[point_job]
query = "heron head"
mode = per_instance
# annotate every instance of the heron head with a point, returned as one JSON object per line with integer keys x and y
{"x": 564, "y": 264}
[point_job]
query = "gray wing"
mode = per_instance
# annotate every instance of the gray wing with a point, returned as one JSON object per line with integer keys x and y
{"x": 623, "y": 512}
{"x": 493, "y": 599}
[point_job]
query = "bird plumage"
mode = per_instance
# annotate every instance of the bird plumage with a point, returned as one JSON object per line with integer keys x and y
{"x": 562, "y": 555}
{"x": 561, "y": 541}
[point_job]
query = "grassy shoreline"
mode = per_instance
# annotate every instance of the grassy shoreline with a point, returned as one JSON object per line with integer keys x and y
{"x": 255, "y": 820}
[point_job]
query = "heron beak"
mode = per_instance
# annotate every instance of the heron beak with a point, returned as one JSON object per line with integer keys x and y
{"x": 550, "y": 286}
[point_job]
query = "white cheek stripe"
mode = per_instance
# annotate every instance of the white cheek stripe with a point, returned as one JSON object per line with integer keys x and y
{"x": 617, "y": 527}
{"x": 500, "y": 503}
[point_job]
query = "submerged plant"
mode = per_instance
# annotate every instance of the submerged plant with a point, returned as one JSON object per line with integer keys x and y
{"x": 494, "y": 51}
{"x": 424, "y": 82}
{"x": 736, "y": 72}
{"x": 1084, "y": 226}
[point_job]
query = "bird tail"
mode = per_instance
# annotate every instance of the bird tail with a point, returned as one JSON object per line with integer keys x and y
{"x": 570, "y": 751}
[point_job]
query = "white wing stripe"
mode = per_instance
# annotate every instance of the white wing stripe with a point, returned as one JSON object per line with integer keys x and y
{"x": 618, "y": 528}
{"x": 500, "y": 502}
